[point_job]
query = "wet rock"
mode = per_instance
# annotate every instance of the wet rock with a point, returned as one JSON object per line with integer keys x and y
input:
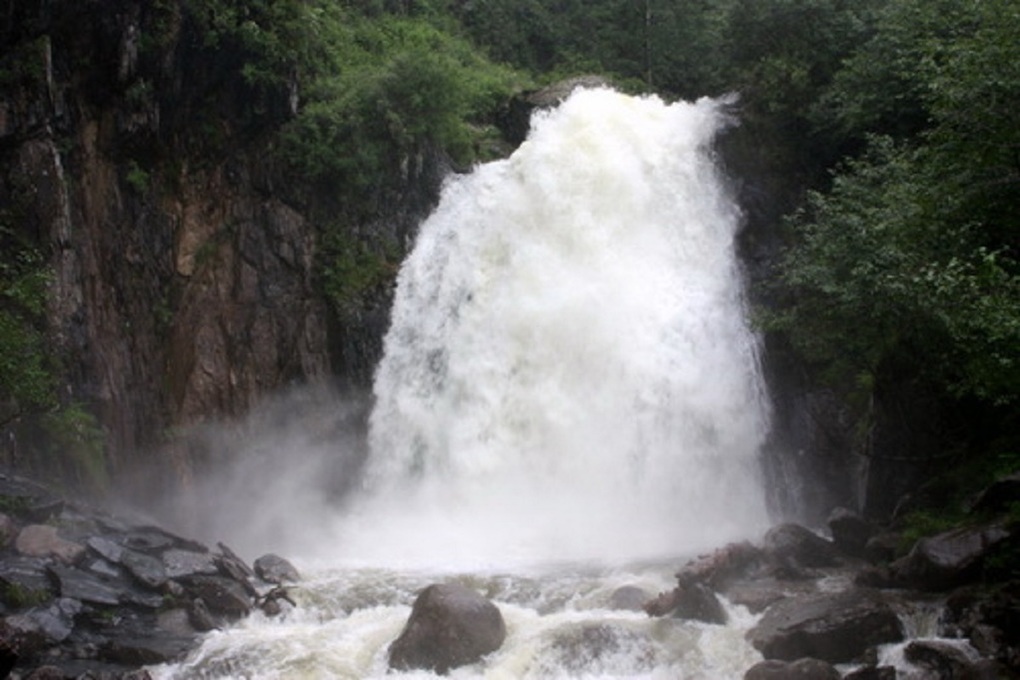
{"x": 105, "y": 548}
{"x": 759, "y": 594}
{"x": 872, "y": 673}
{"x": 989, "y": 618}
{"x": 200, "y": 617}
{"x": 792, "y": 546}
{"x": 275, "y": 569}
{"x": 146, "y": 651}
{"x": 48, "y": 625}
{"x": 628, "y": 598}
{"x": 8, "y": 530}
{"x": 721, "y": 567}
{"x": 882, "y": 547}
{"x": 948, "y": 559}
{"x": 850, "y": 532}
{"x": 698, "y": 603}
{"x": 450, "y": 626}
{"x": 940, "y": 660}
{"x": 86, "y": 587}
{"x": 184, "y": 563}
{"x": 801, "y": 669}
{"x": 148, "y": 571}
{"x": 223, "y": 596}
{"x": 834, "y": 627}
{"x": 25, "y": 581}
{"x": 40, "y": 540}
{"x": 997, "y": 497}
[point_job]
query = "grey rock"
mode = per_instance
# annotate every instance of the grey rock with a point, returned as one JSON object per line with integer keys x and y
{"x": 275, "y": 569}
{"x": 450, "y": 626}
{"x": 629, "y": 598}
{"x": 149, "y": 571}
{"x": 86, "y": 587}
{"x": 834, "y": 627}
{"x": 181, "y": 563}
{"x": 948, "y": 559}
{"x": 223, "y": 596}
{"x": 801, "y": 669}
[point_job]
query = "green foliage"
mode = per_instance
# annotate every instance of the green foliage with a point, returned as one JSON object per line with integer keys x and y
{"x": 77, "y": 446}
{"x": 26, "y": 376}
{"x": 397, "y": 85}
{"x": 137, "y": 177}
{"x": 352, "y": 271}
{"x": 20, "y": 597}
{"x": 909, "y": 262}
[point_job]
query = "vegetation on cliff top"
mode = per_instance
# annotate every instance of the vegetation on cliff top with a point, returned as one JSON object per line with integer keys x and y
{"x": 892, "y": 126}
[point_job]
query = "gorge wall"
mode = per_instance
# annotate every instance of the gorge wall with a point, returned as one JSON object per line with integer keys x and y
{"x": 182, "y": 260}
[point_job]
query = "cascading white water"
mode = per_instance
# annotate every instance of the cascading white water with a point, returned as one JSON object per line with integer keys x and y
{"x": 569, "y": 373}
{"x": 569, "y": 376}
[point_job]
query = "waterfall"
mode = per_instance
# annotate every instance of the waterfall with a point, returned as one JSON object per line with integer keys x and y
{"x": 569, "y": 373}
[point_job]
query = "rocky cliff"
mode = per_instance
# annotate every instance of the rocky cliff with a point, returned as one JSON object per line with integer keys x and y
{"x": 182, "y": 259}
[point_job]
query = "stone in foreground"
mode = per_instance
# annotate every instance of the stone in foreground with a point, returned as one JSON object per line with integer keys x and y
{"x": 450, "y": 626}
{"x": 834, "y": 627}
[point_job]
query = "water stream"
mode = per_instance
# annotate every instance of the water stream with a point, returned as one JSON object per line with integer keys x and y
{"x": 569, "y": 402}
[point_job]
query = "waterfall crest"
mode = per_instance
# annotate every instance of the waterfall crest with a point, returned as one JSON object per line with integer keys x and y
{"x": 569, "y": 373}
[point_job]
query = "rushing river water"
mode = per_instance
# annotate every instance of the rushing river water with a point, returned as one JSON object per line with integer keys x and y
{"x": 569, "y": 382}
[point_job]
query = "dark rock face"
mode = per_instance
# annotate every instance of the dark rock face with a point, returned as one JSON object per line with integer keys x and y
{"x": 850, "y": 532}
{"x": 834, "y": 627}
{"x": 184, "y": 268}
{"x": 801, "y": 669}
{"x": 450, "y": 626}
{"x": 947, "y": 559}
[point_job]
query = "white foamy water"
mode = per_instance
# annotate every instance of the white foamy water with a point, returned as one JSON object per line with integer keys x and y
{"x": 569, "y": 386}
{"x": 569, "y": 373}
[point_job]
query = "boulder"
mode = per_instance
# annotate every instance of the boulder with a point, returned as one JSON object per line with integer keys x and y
{"x": 794, "y": 546}
{"x": 223, "y": 596}
{"x": 450, "y": 626}
{"x": 834, "y": 627}
{"x": 628, "y": 598}
{"x": 948, "y": 559}
{"x": 801, "y": 669}
{"x": 721, "y": 567}
{"x": 698, "y": 603}
{"x": 850, "y": 532}
{"x": 882, "y": 547}
{"x": 943, "y": 660}
{"x": 274, "y": 569}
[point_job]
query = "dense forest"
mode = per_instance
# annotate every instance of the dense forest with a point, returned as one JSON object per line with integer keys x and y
{"x": 877, "y": 155}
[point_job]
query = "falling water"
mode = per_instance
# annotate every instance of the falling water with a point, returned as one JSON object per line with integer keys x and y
{"x": 569, "y": 402}
{"x": 569, "y": 373}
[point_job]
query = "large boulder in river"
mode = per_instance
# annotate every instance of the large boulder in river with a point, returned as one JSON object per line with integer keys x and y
{"x": 834, "y": 627}
{"x": 450, "y": 626}
{"x": 948, "y": 559}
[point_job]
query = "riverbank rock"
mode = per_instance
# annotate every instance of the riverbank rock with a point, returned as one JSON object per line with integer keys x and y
{"x": 793, "y": 547}
{"x": 850, "y": 532}
{"x": 450, "y": 626}
{"x": 801, "y": 669}
{"x": 949, "y": 559}
{"x": 90, "y": 593}
{"x": 835, "y": 627}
